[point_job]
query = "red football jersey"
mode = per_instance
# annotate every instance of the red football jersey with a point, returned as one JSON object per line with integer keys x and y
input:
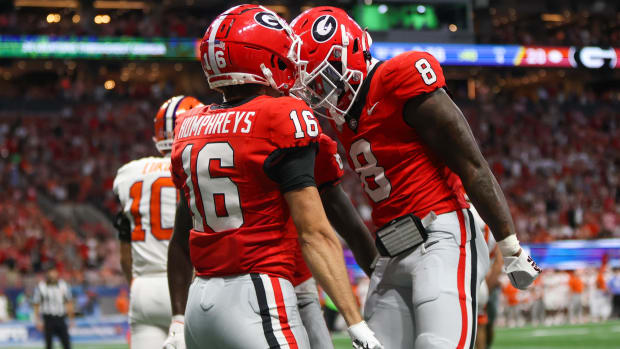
{"x": 240, "y": 215}
{"x": 400, "y": 175}
{"x": 328, "y": 169}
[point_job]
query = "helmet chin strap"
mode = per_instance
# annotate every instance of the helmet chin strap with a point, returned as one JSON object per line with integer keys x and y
{"x": 269, "y": 76}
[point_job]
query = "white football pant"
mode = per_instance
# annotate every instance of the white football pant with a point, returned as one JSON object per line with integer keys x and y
{"x": 251, "y": 311}
{"x": 426, "y": 299}
{"x": 312, "y": 315}
{"x": 150, "y": 312}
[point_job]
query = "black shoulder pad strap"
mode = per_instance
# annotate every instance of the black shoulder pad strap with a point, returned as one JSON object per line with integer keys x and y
{"x": 353, "y": 116}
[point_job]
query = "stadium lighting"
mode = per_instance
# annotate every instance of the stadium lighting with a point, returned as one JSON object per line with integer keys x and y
{"x": 76, "y": 18}
{"x": 53, "y": 18}
{"x": 453, "y": 28}
{"x": 102, "y": 19}
{"x": 121, "y": 5}
{"x": 552, "y": 17}
{"x": 109, "y": 84}
{"x": 47, "y": 3}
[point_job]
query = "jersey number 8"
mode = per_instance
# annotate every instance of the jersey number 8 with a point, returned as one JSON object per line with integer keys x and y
{"x": 373, "y": 178}
{"x": 427, "y": 72}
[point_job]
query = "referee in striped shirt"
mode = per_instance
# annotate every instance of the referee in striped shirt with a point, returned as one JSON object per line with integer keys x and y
{"x": 52, "y": 302}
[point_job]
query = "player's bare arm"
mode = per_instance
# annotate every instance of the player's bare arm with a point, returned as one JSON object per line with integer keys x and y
{"x": 126, "y": 260}
{"x": 180, "y": 269}
{"x": 180, "y": 272}
{"x": 322, "y": 250}
{"x": 442, "y": 126}
{"x": 444, "y": 129}
{"x": 123, "y": 226}
{"x": 348, "y": 223}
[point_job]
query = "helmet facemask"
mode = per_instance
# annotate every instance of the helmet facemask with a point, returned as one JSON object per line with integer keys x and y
{"x": 331, "y": 88}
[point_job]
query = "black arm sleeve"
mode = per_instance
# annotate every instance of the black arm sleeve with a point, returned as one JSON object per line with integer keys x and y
{"x": 292, "y": 168}
{"x": 121, "y": 223}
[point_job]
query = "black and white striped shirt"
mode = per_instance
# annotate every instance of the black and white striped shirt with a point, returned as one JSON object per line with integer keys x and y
{"x": 52, "y": 297}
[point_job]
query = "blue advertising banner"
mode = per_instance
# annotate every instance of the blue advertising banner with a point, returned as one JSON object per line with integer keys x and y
{"x": 452, "y": 54}
{"x": 576, "y": 254}
{"x": 109, "y": 329}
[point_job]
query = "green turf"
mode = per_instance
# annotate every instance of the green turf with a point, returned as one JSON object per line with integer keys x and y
{"x": 588, "y": 336}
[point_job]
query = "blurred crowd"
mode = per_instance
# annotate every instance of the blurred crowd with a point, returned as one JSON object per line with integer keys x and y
{"x": 560, "y": 28}
{"x": 31, "y": 243}
{"x": 157, "y": 24}
{"x": 559, "y": 297}
{"x": 573, "y": 23}
{"x": 556, "y": 156}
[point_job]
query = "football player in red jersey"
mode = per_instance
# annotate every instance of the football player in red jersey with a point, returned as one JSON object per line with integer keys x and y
{"x": 246, "y": 167}
{"x": 410, "y": 143}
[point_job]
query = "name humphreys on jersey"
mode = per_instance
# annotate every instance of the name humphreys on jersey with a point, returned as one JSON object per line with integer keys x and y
{"x": 216, "y": 123}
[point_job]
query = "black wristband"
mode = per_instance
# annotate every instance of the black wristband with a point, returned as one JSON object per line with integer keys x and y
{"x": 121, "y": 223}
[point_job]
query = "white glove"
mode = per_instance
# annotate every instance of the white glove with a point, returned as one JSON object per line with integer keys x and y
{"x": 176, "y": 334}
{"x": 521, "y": 270}
{"x": 363, "y": 337}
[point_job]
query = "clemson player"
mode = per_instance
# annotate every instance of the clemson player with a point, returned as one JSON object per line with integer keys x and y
{"x": 409, "y": 143}
{"x": 148, "y": 199}
{"x": 246, "y": 167}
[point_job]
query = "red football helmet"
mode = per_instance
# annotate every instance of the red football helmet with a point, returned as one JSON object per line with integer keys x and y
{"x": 250, "y": 44}
{"x": 334, "y": 60}
{"x": 166, "y": 118}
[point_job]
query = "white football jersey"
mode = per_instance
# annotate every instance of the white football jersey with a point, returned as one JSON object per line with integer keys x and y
{"x": 148, "y": 197}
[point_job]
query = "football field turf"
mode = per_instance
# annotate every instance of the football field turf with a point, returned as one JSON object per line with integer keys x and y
{"x": 588, "y": 336}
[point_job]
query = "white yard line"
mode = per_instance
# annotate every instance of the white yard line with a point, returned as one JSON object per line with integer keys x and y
{"x": 560, "y": 332}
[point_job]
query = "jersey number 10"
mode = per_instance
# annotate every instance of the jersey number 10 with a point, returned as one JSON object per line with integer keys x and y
{"x": 155, "y": 209}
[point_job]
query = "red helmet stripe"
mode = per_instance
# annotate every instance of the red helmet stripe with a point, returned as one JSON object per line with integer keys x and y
{"x": 211, "y": 48}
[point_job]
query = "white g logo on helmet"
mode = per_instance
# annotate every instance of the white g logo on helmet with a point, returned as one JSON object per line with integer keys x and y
{"x": 324, "y": 28}
{"x": 269, "y": 20}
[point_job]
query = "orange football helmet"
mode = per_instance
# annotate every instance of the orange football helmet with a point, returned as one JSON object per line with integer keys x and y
{"x": 166, "y": 118}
